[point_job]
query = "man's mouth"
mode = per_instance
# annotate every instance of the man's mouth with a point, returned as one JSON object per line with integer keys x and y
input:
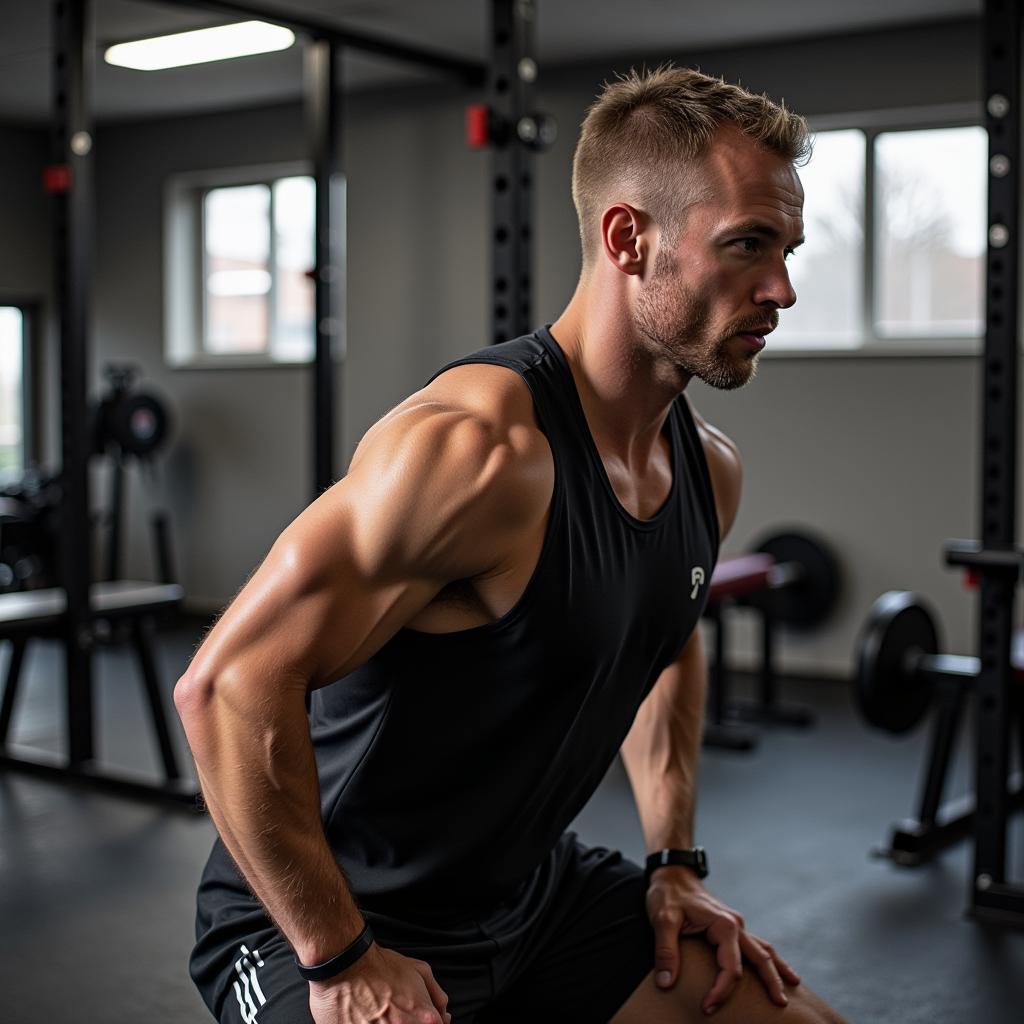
{"x": 755, "y": 336}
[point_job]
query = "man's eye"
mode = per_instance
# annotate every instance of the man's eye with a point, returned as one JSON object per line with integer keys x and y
{"x": 789, "y": 251}
{"x": 747, "y": 244}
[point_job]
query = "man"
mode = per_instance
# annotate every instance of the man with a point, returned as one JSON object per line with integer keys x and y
{"x": 502, "y": 593}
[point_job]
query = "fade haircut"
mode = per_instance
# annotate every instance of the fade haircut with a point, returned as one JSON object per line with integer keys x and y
{"x": 646, "y": 130}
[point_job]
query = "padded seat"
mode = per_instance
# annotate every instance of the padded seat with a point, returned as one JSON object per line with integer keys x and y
{"x": 744, "y": 574}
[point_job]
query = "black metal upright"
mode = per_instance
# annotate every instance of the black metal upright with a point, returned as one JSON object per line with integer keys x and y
{"x": 71, "y": 183}
{"x": 513, "y": 72}
{"x": 323, "y": 113}
{"x": 991, "y": 892}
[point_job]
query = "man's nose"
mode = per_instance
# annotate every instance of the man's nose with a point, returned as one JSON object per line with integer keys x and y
{"x": 776, "y": 289}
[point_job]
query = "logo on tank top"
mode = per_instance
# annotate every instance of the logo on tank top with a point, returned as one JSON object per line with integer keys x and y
{"x": 247, "y": 988}
{"x": 696, "y": 578}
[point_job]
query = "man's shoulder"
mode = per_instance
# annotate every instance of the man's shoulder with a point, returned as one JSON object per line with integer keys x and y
{"x": 485, "y": 402}
{"x": 470, "y": 433}
{"x": 724, "y": 466}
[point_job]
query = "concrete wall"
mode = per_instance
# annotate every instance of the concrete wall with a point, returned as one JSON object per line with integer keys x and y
{"x": 878, "y": 454}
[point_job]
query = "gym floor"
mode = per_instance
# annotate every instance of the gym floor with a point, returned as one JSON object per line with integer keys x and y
{"x": 97, "y": 894}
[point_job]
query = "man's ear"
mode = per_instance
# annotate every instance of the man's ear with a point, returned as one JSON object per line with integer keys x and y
{"x": 625, "y": 237}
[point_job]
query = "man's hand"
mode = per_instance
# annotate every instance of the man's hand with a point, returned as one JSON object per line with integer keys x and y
{"x": 677, "y": 905}
{"x": 383, "y": 987}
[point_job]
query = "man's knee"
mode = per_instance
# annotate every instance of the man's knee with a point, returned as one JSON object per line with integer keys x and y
{"x": 748, "y": 1004}
{"x": 806, "y": 1007}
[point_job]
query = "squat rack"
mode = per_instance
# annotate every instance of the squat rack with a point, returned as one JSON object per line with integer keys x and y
{"x": 69, "y": 180}
{"x": 996, "y": 560}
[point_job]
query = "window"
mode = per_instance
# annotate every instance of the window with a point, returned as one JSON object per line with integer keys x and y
{"x": 239, "y": 251}
{"x": 895, "y": 224}
{"x": 930, "y": 232}
{"x": 13, "y": 434}
{"x": 827, "y": 271}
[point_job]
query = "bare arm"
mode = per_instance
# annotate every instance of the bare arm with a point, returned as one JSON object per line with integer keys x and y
{"x": 661, "y": 750}
{"x": 436, "y": 493}
{"x": 661, "y": 753}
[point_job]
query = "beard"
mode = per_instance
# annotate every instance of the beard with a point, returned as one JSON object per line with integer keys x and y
{"x": 677, "y": 325}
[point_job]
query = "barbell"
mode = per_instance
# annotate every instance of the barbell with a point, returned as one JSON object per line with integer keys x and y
{"x": 899, "y": 663}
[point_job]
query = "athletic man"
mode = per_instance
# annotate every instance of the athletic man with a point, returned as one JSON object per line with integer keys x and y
{"x": 502, "y": 593}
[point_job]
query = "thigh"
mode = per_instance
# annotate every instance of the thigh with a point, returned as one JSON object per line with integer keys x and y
{"x": 249, "y": 976}
{"x": 262, "y": 985}
{"x": 749, "y": 1004}
{"x": 589, "y": 951}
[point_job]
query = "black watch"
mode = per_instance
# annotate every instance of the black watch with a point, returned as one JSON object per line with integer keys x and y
{"x": 695, "y": 859}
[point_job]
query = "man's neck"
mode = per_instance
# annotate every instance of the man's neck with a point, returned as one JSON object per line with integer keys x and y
{"x": 625, "y": 400}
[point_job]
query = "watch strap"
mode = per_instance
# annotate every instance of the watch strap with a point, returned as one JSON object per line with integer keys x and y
{"x": 694, "y": 858}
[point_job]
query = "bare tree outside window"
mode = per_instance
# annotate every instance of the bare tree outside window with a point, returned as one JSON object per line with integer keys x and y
{"x": 930, "y": 230}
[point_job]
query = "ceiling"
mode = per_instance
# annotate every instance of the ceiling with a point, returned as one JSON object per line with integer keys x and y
{"x": 568, "y": 31}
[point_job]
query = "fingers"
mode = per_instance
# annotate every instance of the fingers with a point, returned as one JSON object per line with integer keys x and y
{"x": 733, "y": 946}
{"x": 724, "y": 935}
{"x": 437, "y": 994}
{"x": 666, "y": 947}
{"x": 762, "y": 956}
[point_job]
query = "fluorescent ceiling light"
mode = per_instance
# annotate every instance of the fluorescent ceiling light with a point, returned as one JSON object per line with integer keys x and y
{"x": 201, "y": 46}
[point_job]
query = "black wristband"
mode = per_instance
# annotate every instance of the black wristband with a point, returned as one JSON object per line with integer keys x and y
{"x": 695, "y": 859}
{"x": 342, "y": 962}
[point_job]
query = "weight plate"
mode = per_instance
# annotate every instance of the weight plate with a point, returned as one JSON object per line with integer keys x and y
{"x": 809, "y": 598}
{"x": 890, "y": 693}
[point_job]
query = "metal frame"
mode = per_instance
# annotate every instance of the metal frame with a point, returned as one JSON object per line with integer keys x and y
{"x": 70, "y": 179}
{"x": 73, "y": 215}
{"x": 323, "y": 109}
{"x": 998, "y": 562}
{"x": 469, "y": 71}
{"x": 510, "y": 87}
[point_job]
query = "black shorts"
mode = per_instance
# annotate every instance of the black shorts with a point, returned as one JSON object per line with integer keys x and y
{"x": 572, "y": 946}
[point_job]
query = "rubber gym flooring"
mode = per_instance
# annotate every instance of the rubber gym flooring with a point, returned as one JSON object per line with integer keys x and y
{"x": 96, "y": 893}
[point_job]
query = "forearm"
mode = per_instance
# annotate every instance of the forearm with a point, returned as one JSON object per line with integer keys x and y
{"x": 662, "y": 749}
{"x": 255, "y": 763}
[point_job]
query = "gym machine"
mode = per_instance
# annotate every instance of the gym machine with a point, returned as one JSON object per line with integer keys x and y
{"x": 791, "y": 580}
{"x": 79, "y": 610}
{"x": 130, "y": 425}
{"x": 900, "y": 670}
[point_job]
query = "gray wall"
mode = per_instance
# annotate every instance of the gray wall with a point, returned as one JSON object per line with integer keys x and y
{"x": 878, "y": 454}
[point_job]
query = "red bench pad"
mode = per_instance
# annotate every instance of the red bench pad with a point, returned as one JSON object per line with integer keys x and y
{"x": 741, "y": 575}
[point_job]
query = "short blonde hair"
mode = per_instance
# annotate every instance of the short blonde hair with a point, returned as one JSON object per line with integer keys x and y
{"x": 646, "y": 127}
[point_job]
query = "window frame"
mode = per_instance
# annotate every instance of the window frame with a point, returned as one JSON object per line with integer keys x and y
{"x": 31, "y": 337}
{"x": 185, "y": 259}
{"x": 872, "y": 124}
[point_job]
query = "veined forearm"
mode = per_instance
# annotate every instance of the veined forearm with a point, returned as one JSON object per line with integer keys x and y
{"x": 256, "y": 767}
{"x": 662, "y": 749}
{"x": 666, "y": 811}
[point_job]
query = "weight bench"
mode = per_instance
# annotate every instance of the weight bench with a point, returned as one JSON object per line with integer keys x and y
{"x": 41, "y": 613}
{"x": 733, "y": 580}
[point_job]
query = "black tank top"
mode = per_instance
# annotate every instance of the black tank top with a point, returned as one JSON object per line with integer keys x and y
{"x": 451, "y": 763}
